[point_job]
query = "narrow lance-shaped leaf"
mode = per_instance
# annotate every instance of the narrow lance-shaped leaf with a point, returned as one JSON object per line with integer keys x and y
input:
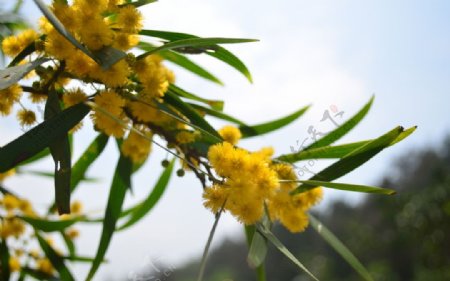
{"x": 41, "y": 136}
{"x": 4, "y": 260}
{"x": 120, "y": 184}
{"x": 105, "y": 57}
{"x": 280, "y": 247}
{"x": 196, "y": 42}
{"x": 340, "y": 248}
{"x": 28, "y": 50}
{"x": 147, "y": 205}
{"x": 346, "y": 186}
{"x": 215, "y": 104}
{"x": 11, "y": 75}
{"x": 264, "y": 128}
{"x": 50, "y": 225}
{"x": 257, "y": 251}
{"x": 218, "y": 114}
{"x": 56, "y": 260}
{"x": 341, "y": 130}
{"x": 139, "y": 3}
{"x": 219, "y": 52}
{"x": 354, "y": 159}
{"x": 60, "y": 151}
{"x": 182, "y": 61}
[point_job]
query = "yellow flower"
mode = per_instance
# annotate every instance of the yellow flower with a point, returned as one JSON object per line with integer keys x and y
{"x": 80, "y": 64}
{"x": 110, "y": 101}
{"x": 230, "y": 134}
{"x": 66, "y": 14}
{"x": 73, "y": 97}
{"x": 7, "y": 174}
{"x": 58, "y": 46}
{"x": 37, "y": 97}
{"x": 76, "y": 207}
{"x": 26, "y": 117}
{"x": 108, "y": 125}
{"x": 27, "y": 37}
{"x": 125, "y": 41}
{"x": 5, "y": 107}
{"x": 214, "y": 197}
{"x": 72, "y": 233}
{"x": 11, "y": 94}
{"x": 95, "y": 33}
{"x": 136, "y": 147}
{"x": 185, "y": 137}
{"x": 294, "y": 221}
{"x": 129, "y": 19}
{"x": 115, "y": 76}
{"x": 10, "y": 202}
{"x": 14, "y": 264}
{"x": 11, "y": 46}
{"x": 44, "y": 265}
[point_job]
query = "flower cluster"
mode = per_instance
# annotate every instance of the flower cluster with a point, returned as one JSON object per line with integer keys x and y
{"x": 252, "y": 184}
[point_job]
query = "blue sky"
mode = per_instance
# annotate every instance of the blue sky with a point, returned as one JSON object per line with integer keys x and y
{"x": 322, "y": 53}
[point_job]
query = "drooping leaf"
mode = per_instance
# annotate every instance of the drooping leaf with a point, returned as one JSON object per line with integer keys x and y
{"x": 4, "y": 260}
{"x": 56, "y": 260}
{"x": 196, "y": 42}
{"x": 218, "y": 114}
{"x": 87, "y": 158}
{"x": 105, "y": 57}
{"x": 60, "y": 151}
{"x": 173, "y": 100}
{"x": 345, "y": 186}
{"x": 41, "y": 136}
{"x": 355, "y": 158}
{"x": 219, "y": 52}
{"x": 215, "y": 104}
{"x": 343, "y": 129}
{"x": 280, "y": 247}
{"x": 145, "y": 206}
{"x": 331, "y": 152}
{"x": 264, "y": 128}
{"x": 50, "y": 225}
{"x": 120, "y": 184}
{"x": 139, "y": 3}
{"x": 183, "y": 62}
{"x": 340, "y": 248}
{"x": 11, "y": 75}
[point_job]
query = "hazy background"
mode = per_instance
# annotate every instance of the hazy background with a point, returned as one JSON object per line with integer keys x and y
{"x": 325, "y": 53}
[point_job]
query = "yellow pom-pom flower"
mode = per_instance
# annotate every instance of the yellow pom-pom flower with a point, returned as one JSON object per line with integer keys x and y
{"x": 26, "y": 117}
{"x": 230, "y": 134}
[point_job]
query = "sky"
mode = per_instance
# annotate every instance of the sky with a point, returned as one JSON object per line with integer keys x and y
{"x": 330, "y": 54}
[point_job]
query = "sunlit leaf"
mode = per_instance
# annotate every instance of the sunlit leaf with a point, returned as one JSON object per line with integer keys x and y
{"x": 147, "y": 205}
{"x": 342, "y": 129}
{"x": 56, "y": 260}
{"x": 280, "y": 247}
{"x": 11, "y": 75}
{"x": 219, "y": 52}
{"x": 264, "y": 128}
{"x": 337, "y": 151}
{"x": 195, "y": 42}
{"x": 215, "y": 104}
{"x": 345, "y": 186}
{"x": 120, "y": 184}
{"x": 182, "y": 61}
{"x": 340, "y": 248}
{"x": 41, "y": 136}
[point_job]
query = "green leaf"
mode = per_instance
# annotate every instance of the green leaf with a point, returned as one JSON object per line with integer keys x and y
{"x": 182, "y": 61}
{"x": 56, "y": 260}
{"x": 105, "y": 57}
{"x": 28, "y": 50}
{"x": 355, "y": 158}
{"x": 217, "y": 114}
{"x": 215, "y": 104}
{"x": 11, "y": 75}
{"x": 256, "y": 130}
{"x": 139, "y": 3}
{"x": 331, "y": 152}
{"x": 60, "y": 151}
{"x": 120, "y": 184}
{"x": 69, "y": 243}
{"x": 41, "y": 136}
{"x": 340, "y": 248}
{"x": 257, "y": 255}
{"x": 50, "y": 225}
{"x": 87, "y": 158}
{"x": 277, "y": 243}
{"x": 4, "y": 260}
{"x": 346, "y": 186}
{"x": 200, "y": 123}
{"x": 38, "y": 275}
{"x": 343, "y": 129}
{"x": 37, "y": 157}
{"x": 145, "y": 206}
{"x": 195, "y": 42}
{"x": 219, "y": 53}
